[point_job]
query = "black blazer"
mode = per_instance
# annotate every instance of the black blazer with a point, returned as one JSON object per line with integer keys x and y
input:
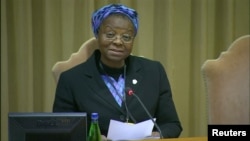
{"x": 81, "y": 89}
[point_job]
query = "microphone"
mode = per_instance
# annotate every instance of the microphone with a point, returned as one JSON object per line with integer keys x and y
{"x": 130, "y": 92}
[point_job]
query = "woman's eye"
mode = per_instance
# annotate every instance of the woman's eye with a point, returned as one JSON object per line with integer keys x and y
{"x": 126, "y": 37}
{"x": 110, "y": 35}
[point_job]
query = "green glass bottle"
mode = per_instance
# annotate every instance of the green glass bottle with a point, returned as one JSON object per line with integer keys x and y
{"x": 94, "y": 131}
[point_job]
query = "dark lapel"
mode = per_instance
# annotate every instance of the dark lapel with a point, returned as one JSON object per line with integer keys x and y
{"x": 93, "y": 78}
{"x": 134, "y": 76}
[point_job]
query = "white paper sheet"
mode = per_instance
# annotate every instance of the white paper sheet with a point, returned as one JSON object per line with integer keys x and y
{"x": 128, "y": 131}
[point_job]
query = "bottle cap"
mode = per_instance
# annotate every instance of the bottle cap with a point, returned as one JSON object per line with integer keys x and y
{"x": 94, "y": 115}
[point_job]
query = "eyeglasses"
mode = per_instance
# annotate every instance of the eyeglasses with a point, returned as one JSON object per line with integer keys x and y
{"x": 125, "y": 38}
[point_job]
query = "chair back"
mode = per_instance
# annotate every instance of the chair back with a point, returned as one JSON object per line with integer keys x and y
{"x": 227, "y": 84}
{"x": 84, "y": 52}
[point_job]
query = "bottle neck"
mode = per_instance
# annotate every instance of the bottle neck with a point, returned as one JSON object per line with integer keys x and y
{"x": 95, "y": 120}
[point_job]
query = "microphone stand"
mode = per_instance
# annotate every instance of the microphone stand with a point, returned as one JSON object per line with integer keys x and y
{"x": 156, "y": 125}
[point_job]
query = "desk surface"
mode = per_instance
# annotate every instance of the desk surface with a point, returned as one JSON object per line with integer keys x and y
{"x": 181, "y": 139}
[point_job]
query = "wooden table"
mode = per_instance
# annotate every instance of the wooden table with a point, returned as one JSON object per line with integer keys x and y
{"x": 188, "y": 139}
{"x": 181, "y": 139}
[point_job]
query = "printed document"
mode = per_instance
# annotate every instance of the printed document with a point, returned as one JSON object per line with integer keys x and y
{"x": 129, "y": 131}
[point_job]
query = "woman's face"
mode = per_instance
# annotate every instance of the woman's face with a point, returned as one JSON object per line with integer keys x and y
{"x": 115, "y": 38}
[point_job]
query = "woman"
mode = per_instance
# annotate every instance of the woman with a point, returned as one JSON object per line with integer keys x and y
{"x": 98, "y": 85}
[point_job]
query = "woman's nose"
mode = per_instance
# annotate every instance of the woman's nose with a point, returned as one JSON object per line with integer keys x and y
{"x": 118, "y": 40}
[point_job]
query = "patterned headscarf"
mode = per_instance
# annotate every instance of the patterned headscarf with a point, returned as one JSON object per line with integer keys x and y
{"x": 99, "y": 15}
